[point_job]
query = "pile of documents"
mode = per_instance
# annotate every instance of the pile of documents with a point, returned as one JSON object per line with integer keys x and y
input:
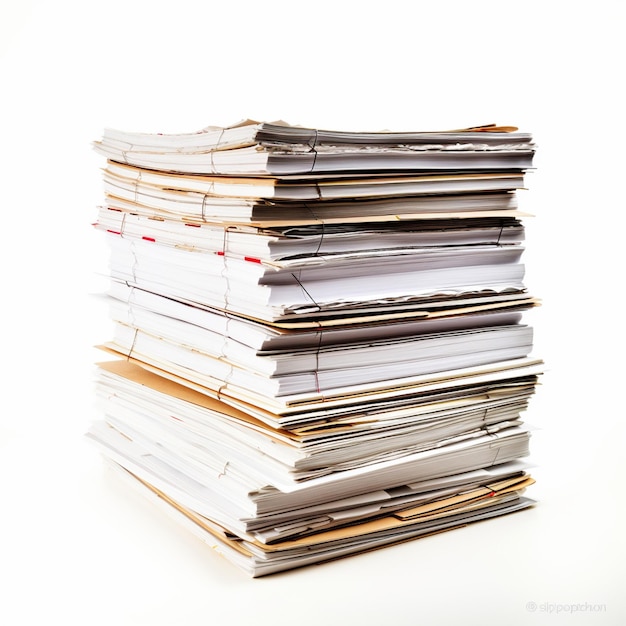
{"x": 318, "y": 336}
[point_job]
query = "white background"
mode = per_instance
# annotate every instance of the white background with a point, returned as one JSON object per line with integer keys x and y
{"x": 75, "y": 546}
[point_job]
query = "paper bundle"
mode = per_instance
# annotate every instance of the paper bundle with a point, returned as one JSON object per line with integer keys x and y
{"x": 319, "y": 336}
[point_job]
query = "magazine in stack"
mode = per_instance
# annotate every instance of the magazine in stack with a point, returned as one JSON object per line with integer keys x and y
{"x": 318, "y": 340}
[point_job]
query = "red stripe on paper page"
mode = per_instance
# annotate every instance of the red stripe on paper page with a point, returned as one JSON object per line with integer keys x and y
{"x": 220, "y": 253}
{"x": 149, "y": 239}
{"x": 251, "y": 259}
{"x": 114, "y": 232}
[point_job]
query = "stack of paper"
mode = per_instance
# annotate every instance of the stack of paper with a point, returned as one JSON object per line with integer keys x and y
{"x": 319, "y": 334}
